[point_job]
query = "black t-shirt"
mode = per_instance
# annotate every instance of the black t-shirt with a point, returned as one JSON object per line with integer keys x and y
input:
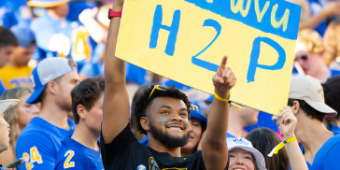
{"x": 126, "y": 153}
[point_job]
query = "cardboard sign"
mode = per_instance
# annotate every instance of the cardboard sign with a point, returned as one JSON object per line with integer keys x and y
{"x": 185, "y": 40}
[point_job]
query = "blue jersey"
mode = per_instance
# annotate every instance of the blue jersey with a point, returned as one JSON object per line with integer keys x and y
{"x": 61, "y": 38}
{"x": 74, "y": 155}
{"x": 14, "y": 12}
{"x": 327, "y": 156}
{"x": 39, "y": 143}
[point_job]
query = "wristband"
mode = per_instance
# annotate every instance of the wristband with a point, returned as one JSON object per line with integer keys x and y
{"x": 114, "y": 14}
{"x": 220, "y": 98}
{"x": 238, "y": 107}
{"x": 281, "y": 145}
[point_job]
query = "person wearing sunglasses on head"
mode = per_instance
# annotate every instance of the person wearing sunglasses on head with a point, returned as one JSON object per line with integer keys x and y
{"x": 309, "y": 56}
{"x": 163, "y": 114}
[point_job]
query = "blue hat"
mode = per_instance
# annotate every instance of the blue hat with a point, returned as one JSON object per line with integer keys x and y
{"x": 24, "y": 35}
{"x": 209, "y": 100}
{"x": 197, "y": 113}
{"x": 46, "y": 3}
{"x": 46, "y": 71}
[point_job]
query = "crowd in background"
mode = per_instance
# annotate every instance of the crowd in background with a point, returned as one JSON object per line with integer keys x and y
{"x": 52, "y": 55}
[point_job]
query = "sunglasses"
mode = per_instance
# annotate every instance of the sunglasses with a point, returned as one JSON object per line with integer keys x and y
{"x": 303, "y": 58}
{"x": 163, "y": 88}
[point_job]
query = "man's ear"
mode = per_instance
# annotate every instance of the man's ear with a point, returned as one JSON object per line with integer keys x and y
{"x": 52, "y": 87}
{"x": 295, "y": 107}
{"x": 144, "y": 122}
{"x": 81, "y": 111}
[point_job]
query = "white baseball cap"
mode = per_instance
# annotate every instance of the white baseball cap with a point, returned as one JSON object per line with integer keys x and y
{"x": 310, "y": 90}
{"x": 244, "y": 144}
{"x": 46, "y": 71}
{"x": 7, "y": 104}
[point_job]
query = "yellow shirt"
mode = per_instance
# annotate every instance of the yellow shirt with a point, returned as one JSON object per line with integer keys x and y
{"x": 16, "y": 76}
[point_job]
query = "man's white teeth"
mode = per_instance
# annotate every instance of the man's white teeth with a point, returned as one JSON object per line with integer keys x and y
{"x": 175, "y": 128}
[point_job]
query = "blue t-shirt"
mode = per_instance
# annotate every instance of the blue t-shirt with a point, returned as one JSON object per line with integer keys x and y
{"x": 74, "y": 155}
{"x": 39, "y": 143}
{"x": 327, "y": 157}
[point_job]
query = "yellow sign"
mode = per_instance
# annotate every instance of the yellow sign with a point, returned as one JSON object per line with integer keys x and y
{"x": 185, "y": 40}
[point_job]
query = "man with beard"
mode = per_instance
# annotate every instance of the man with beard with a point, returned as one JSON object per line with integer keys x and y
{"x": 39, "y": 142}
{"x": 161, "y": 113}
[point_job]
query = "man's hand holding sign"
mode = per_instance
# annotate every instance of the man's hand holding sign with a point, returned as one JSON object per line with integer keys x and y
{"x": 184, "y": 40}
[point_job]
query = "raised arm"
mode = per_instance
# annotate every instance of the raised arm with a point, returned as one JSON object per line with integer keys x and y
{"x": 214, "y": 143}
{"x": 287, "y": 125}
{"x": 116, "y": 100}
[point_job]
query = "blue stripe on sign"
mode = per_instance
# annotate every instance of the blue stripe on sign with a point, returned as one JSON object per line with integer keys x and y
{"x": 265, "y": 15}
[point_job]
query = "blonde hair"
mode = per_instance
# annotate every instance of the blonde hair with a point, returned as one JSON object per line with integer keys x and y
{"x": 311, "y": 39}
{"x": 332, "y": 42}
{"x": 11, "y": 115}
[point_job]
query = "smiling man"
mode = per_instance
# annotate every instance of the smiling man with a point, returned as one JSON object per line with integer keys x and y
{"x": 163, "y": 115}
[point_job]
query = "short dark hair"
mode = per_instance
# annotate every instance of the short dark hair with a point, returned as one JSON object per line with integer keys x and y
{"x": 7, "y": 37}
{"x": 86, "y": 93}
{"x": 141, "y": 90}
{"x": 264, "y": 140}
{"x": 143, "y": 102}
{"x": 331, "y": 91}
{"x": 310, "y": 111}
